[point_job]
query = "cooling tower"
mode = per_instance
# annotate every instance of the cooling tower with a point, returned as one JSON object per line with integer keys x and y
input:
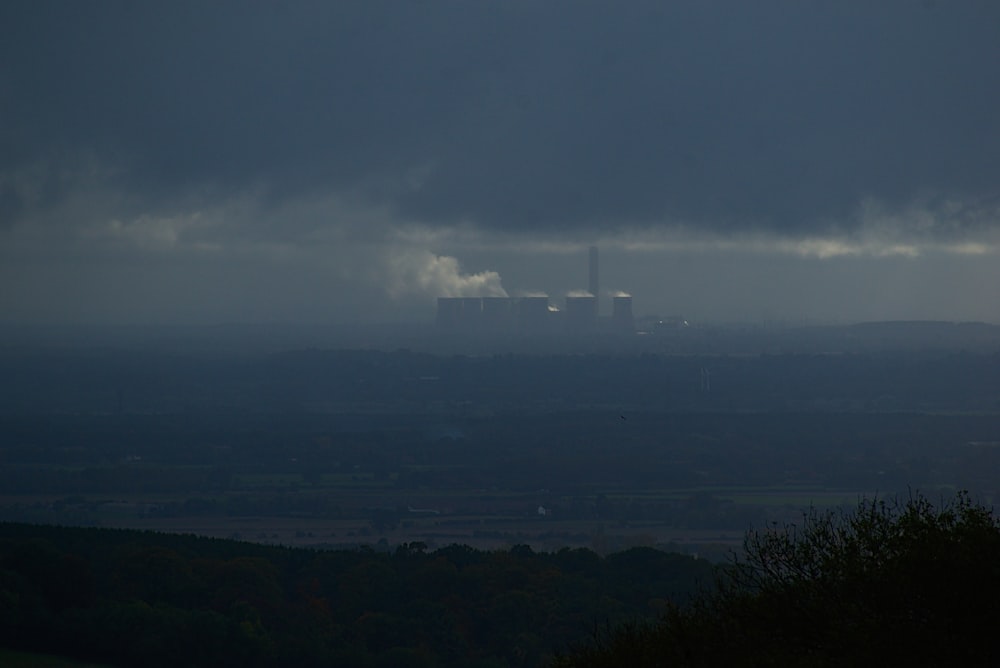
{"x": 581, "y": 313}
{"x": 621, "y": 314}
{"x": 472, "y": 312}
{"x": 533, "y": 313}
{"x": 498, "y": 313}
{"x": 449, "y": 312}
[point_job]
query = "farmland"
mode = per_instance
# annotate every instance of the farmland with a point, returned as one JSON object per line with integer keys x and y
{"x": 581, "y": 478}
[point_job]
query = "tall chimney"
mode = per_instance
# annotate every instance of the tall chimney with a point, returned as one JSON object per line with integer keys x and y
{"x": 593, "y": 271}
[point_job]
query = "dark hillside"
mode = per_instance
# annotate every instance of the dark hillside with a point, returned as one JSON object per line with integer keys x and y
{"x": 131, "y": 598}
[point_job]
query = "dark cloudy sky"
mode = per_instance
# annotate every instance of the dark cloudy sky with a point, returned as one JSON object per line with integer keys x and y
{"x": 193, "y": 162}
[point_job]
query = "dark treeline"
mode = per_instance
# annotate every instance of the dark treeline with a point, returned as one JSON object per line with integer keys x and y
{"x": 140, "y": 598}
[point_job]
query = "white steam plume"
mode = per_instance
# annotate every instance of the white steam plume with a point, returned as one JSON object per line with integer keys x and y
{"x": 423, "y": 272}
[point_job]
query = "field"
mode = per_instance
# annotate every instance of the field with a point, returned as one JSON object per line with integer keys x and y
{"x": 554, "y": 451}
{"x": 345, "y": 511}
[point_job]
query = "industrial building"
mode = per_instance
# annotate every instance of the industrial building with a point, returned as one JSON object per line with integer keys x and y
{"x": 535, "y": 314}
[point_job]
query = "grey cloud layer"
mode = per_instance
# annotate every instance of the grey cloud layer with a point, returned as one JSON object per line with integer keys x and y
{"x": 780, "y": 116}
{"x": 261, "y": 161}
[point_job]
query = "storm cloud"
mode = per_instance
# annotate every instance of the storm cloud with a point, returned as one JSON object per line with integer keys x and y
{"x": 400, "y": 148}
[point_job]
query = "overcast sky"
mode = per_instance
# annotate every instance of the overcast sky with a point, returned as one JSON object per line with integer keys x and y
{"x": 215, "y": 162}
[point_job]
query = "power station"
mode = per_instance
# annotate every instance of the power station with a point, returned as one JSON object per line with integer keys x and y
{"x": 580, "y": 315}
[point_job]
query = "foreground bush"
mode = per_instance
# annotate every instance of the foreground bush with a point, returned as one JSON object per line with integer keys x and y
{"x": 901, "y": 583}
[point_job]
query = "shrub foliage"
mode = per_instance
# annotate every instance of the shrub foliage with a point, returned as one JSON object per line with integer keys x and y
{"x": 891, "y": 583}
